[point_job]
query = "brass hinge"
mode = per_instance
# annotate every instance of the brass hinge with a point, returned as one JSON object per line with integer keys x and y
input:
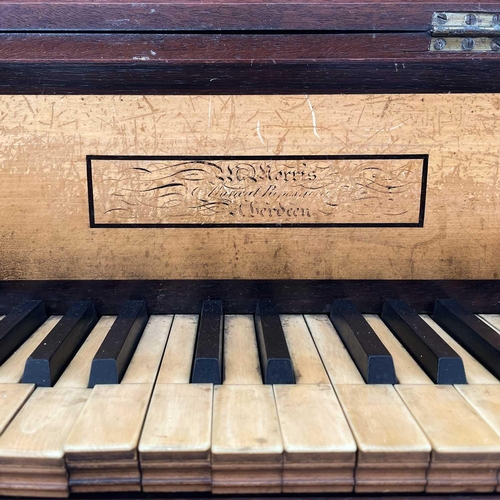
{"x": 465, "y": 32}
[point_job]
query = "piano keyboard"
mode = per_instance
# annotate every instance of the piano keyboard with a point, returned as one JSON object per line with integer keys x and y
{"x": 240, "y": 404}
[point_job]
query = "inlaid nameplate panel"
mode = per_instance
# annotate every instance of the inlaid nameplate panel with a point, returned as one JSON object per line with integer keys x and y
{"x": 257, "y": 191}
{"x": 249, "y": 186}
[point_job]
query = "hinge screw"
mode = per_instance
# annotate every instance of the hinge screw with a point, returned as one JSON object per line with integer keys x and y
{"x": 468, "y": 44}
{"x": 496, "y": 20}
{"x": 470, "y": 19}
{"x": 440, "y": 44}
{"x": 495, "y": 44}
{"x": 442, "y": 18}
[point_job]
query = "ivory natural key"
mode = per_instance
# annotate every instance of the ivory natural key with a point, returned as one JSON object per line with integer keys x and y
{"x": 32, "y": 446}
{"x": 465, "y": 449}
{"x": 176, "y": 439}
{"x": 247, "y": 447}
{"x": 393, "y": 452}
{"x": 101, "y": 451}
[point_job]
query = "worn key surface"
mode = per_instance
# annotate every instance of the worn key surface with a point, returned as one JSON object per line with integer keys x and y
{"x": 12, "y": 398}
{"x": 109, "y": 427}
{"x": 336, "y": 359}
{"x": 48, "y": 360}
{"x": 407, "y": 369}
{"x": 485, "y": 399}
{"x": 37, "y": 434}
{"x": 78, "y": 371}
{"x": 475, "y": 372}
{"x": 241, "y": 355}
{"x": 247, "y": 448}
{"x": 393, "y": 452}
{"x": 177, "y": 361}
{"x": 370, "y": 355}
{"x": 320, "y": 450}
{"x": 207, "y": 366}
{"x": 112, "y": 358}
{"x": 432, "y": 353}
{"x": 32, "y": 446}
{"x": 465, "y": 449}
{"x": 275, "y": 360}
{"x": 19, "y": 324}
{"x": 101, "y": 451}
{"x": 175, "y": 443}
{"x": 144, "y": 365}
{"x": 306, "y": 361}
{"x": 11, "y": 371}
{"x": 482, "y": 341}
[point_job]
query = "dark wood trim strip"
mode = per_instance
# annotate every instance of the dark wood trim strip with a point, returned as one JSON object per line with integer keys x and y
{"x": 238, "y": 64}
{"x": 238, "y": 49}
{"x": 165, "y": 15}
{"x": 240, "y": 296}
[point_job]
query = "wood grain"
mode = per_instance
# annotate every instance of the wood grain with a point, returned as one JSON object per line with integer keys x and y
{"x": 393, "y": 452}
{"x": 410, "y": 124}
{"x": 12, "y": 396}
{"x": 319, "y": 447}
{"x": 101, "y": 450}
{"x": 146, "y": 359}
{"x": 110, "y": 424}
{"x": 246, "y": 191}
{"x": 465, "y": 449}
{"x": 247, "y": 447}
{"x": 32, "y": 446}
{"x": 241, "y": 355}
{"x": 177, "y": 360}
{"x": 223, "y": 15}
{"x": 175, "y": 442}
{"x": 37, "y": 435}
{"x": 307, "y": 364}
{"x": 485, "y": 399}
{"x": 337, "y": 361}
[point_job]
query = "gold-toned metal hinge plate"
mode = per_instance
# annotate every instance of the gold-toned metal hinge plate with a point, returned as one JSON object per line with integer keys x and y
{"x": 466, "y": 23}
{"x": 465, "y": 32}
{"x": 465, "y": 44}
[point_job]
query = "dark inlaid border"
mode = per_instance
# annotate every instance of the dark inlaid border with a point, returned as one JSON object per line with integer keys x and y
{"x": 420, "y": 223}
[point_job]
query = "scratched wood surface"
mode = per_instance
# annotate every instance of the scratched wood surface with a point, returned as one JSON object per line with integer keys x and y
{"x": 45, "y": 207}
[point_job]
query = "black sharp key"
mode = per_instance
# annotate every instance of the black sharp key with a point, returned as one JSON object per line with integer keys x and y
{"x": 50, "y": 358}
{"x": 369, "y": 354}
{"x": 482, "y": 341}
{"x": 207, "y": 366}
{"x": 275, "y": 359}
{"x": 19, "y": 324}
{"x": 113, "y": 357}
{"x": 441, "y": 363}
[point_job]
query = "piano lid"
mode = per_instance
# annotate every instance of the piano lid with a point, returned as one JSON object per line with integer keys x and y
{"x": 227, "y": 15}
{"x": 248, "y": 46}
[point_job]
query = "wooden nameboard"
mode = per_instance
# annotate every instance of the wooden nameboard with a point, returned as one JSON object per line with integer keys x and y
{"x": 249, "y": 187}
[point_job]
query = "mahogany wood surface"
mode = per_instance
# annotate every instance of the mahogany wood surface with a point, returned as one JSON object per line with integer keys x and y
{"x": 170, "y": 15}
{"x": 240, "y": 296}
{"x": 230, "y": 63}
